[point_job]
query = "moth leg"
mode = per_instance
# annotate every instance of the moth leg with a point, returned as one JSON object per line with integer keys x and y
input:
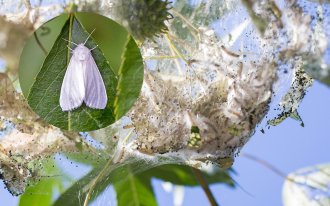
{"x": 94, "y": 48}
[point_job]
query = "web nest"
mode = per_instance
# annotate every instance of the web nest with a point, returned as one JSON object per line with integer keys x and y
{"x": 203, "y": 93}
{"x": 205, "y": 106}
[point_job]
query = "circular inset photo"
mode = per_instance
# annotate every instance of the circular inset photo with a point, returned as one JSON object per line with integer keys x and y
{"x": 81, "y": 71}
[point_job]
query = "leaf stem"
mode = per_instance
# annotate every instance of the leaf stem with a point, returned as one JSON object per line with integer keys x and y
{"x": 39, "y": 43}
{"x": 67, "y": 62}
{"x": 183, "y": 43}
{"x": 175, "y": 49}
{"x": 173, "y": 53}
{"x": 103, "y": 172}
{"x": 199, "y": 176}
{"x": 97, "y": 179}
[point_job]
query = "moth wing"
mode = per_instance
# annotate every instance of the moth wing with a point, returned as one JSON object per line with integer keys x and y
{"x": 96, "y": 95}
{"x": 73, "y": 88}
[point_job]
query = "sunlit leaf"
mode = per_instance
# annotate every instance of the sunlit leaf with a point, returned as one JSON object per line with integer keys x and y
{"x": 41, "y": 192}
{"x": 129, "y": 77}
{"x": 182, "y": 175}
{"x": 135, "y": 172}
{"x": 111, "y": 174}
{"x": 308, "y": 187}
{"x": 135, "y": 190}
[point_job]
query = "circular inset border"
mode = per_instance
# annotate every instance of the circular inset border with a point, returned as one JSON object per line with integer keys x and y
{"x": 45, "y": 59}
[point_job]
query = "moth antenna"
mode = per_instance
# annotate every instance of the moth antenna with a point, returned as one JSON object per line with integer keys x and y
{"x": 89, "y": 36}
{"x": 70, "y": 41}
{"x": 94, "y": 48}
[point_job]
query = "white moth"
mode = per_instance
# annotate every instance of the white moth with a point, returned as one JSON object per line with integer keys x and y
{"x": 82, "y": 81}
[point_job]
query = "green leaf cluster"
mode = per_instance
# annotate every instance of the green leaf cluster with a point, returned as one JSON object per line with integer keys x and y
{"x": 132, "y": 184}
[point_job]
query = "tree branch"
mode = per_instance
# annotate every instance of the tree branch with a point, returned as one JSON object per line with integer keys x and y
{"x": 199, "y": 176}
{"x": 27, "y": 4}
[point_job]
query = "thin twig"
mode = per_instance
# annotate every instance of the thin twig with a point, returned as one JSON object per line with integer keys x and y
{"x": 27, "y": 4}
{"x": 174, "y": 53}
{"x": 160, "y": 57}
{"x": 277, "y": 171}
{"x": 40, "y": 44}
{"x": 97, "y": 179}
{"x": 182, "y": 43}
{"x": 265, "y": 164}
{"x": 185, "y": 20}
{"x": 175, "y": 49}
{"x": 199, "y": 176}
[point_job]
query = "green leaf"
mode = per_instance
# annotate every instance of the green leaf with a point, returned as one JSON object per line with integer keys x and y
{"x": 39, "y": 194}
{"x": 182, "y": 175}
{"x": 295, "y": 115}
{"x": 202, "y": 14}
{"x": 45, "y": 91}
{"x": 317, "y": 69}
{"x": 123, "y": 173}
{"x": 135, "y": 190}
{"x": 28, "y": 69}
{"x": 43, "y": 191}
{"x": 259, "y": 22}
{"x": 127, "y": 91}
{"x": 74, "y": 195}
{"x": 283, "y": 116}
{"x": 87, "y": 158}
{"x": 291, "y": 100}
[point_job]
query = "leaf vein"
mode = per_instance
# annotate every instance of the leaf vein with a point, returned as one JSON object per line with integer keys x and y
{"x": 43, "y": 96}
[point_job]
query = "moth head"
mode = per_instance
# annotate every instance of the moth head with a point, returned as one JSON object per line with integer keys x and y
{"x": 81, "y": 52}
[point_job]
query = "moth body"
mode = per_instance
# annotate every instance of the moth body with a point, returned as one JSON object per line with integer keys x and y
{"x": 82, "y": 82}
